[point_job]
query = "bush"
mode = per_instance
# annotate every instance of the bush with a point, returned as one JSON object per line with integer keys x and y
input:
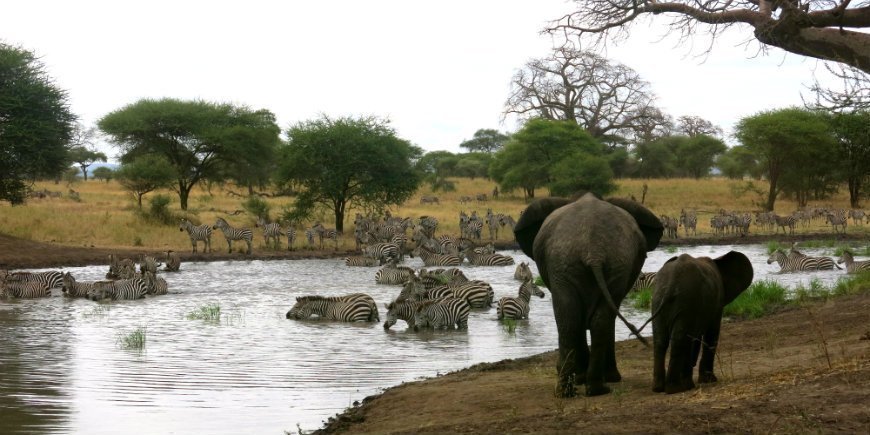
{"x": 257, "y": 207}
{"x": 158, "y": 209}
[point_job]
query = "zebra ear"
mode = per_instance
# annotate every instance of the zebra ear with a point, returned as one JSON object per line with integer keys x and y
{"x": 531, "y": 220}
{"x": 649, "y": 223}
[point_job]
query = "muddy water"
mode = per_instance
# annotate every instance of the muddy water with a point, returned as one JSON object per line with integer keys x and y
{"x": 62, "y": 369}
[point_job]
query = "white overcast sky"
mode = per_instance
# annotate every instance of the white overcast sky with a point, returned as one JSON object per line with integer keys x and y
{"x": 438, "y": 70}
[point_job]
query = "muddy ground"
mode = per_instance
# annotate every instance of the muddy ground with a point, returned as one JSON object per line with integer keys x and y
{"x": 801, "y": 370}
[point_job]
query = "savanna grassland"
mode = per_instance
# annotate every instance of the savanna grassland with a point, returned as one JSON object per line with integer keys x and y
{"x": 108, "y": 217}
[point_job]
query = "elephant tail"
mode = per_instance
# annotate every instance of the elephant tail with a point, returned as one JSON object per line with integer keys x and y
{"x": 602, "y": 285}
{"x": 654, "y": 314}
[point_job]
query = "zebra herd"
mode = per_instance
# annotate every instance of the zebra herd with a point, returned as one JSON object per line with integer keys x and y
{"x": 724, "y": 222}
{"x": 441, "y": 298}
{"x": 123, "y": 281}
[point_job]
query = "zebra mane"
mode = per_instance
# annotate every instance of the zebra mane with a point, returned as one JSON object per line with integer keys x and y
{"x": 312, "y": 298}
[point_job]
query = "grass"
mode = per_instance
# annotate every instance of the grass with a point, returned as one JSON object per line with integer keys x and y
{"x": 98, "y": 311}
{"x": 107, "y": 216}
{"x": 134, "y": 340}
{"x": 641, "y": 298}
{"x": 759, "y": 299}
{"x": 510, "y": 325}
{"x": 210, "y": 313}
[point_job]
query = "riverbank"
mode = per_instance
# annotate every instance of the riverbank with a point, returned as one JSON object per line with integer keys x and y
{"x": 804, "y": 369}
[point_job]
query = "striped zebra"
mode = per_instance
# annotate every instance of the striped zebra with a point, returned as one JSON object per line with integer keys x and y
{"x": 784, "y": 222}
{"x": 432, "y": 259}
{"x": 670, "y": 223}
{"x": 857, "y": 216}
{"x": 124, "y": 289}
{"x": 644, "y": 280}
{"x": 470, "y": 227}
{"x": 382, "y": 252}
{"x": 26, "y": 289}
{"x": 523, "y": 272}
{"x": 356, "y": 307}
{"x": 478, "y": 293}
{"x": 477, "y": 259}
{"x": 197, "y": 233}
{"x": 120, "y": 269}
{"x": 393, "y": 275}
{"x": 518, "y": 307}
{"x": 74, "y": 289}
{"x": 148, "y": 264}
{"x": 437, "y": 277}
{"x": 173, "y": 261}
{"x": 429, "y": 224}
{"x": 492, "y": 224}
{"x": 798, "y": 264}
{"x": 837, "y": 220}
{"x": 853, "y": 266}
{"x": 429, "y": 199}
{"x": 51, "y": 279}
{"x": 231, "y": 233}
{"x": 154, "y": 284}
{"x": 291, "y": 237}
{"x": 401, "y": 310}
{"x": 325, "y": 233}
{"x": 360, "y": 261}
{"x": 823, "y": 263}
{"x": 271, "y": 231}
{"x": 309, "y": 237}
{"x": 688, "y": 219}
{"x": 442, "y": 314}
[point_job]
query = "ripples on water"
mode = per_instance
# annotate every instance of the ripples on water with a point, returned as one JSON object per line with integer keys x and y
{"x": 253, "y": 371}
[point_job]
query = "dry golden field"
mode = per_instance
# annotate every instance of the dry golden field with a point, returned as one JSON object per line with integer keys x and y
{"x": 106, "y": 216}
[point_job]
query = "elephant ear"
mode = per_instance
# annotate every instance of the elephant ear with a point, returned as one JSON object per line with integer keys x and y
{"x": 736, "y": 271}
{"x": 649, "y": 223}
{"x": 531, "y": 220}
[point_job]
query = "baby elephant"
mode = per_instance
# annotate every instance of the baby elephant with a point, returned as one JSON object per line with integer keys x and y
{"x": 687, "y": 304}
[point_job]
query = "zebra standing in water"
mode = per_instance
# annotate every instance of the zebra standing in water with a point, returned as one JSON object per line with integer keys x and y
{"x": 25, "y": 289}
{"x": 478, "y": 293}
{"x": 798, "y": 264}
{"x": 125, "y": 289}
{"x": 154, "y": 284}
{"x": 401, "y": 309}
{"x": 853, "y": 266}
{"x": 197, "y": 233}
{"x": 518, "y": 307}
{"x": 644, "y": 280}
{"x": 823, "y": 263}
{"x": 232, "y": 233}
{"x": 357, "y": 307}
{"x": 148, "y": 264}
{"x": 382, "y": 252}
{"x": 393, "y": 275}
{"x": 270, "y": 231}
{"x": 120, "y": 269}
{"x": 360, "y": 261}
{"x": 173, "y": 261}
{"x": 442, "y": 314}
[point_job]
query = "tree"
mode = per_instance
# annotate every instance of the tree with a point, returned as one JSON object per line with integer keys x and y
{"x": 580, "y": 172}
{"x": 103, "y": 173}
{"x": 695, "y": 125}
{"x": 348, "y": 162}
{"x": 472, "y": 165}
{"x": 656, "y": 159}
{"x": 790, "y": 144}
{"x": 738, "y": 162}
{"x": 813, "y": 28}
{"x": 145, "y": 174}
{"x": 697, "y": 155}
{"x": 852, "y": 133}
{"x": 199, "y": 139}
{"x": 35, "y": 123}
{"x": 604, "y": 97}
{"x": 486, "y": 140}
{"x": 529, "y": 160}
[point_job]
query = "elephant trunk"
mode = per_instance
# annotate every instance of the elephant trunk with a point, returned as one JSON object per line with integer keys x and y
{"x": 602, "y": 285}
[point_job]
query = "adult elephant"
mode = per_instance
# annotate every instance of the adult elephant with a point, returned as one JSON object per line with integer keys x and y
{"x": 687, "y": 303}
{"x": 589, "y": 253}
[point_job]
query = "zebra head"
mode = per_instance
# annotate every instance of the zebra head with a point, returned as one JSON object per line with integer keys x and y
{"x": 777, "y": 256}
{"x": 68, "y": 283}
{"x": 845, "y": 257}
{"x": 422, "y": 316}
{"x": 300, "y": 310}
{"x": 532, "y": 288}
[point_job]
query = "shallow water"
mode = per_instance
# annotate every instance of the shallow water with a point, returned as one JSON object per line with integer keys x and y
{"x": 62, "y": 369}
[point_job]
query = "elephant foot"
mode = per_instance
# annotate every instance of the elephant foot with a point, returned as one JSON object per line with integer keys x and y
{"x": 613, "y": 376}
{"x": 678, "y": 388}
{"x": 707, "y": 378}
{"x": 565, "y": 390}
{"x": 658, "y": 386}
{"x": 579, "y": 378}
{"x": 597, "y": 390}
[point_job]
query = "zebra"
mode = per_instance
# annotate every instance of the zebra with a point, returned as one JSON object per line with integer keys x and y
{"x": 75, "y": 289}
{"x": 393, "y": 275}
{"x": 478, "y": 259}
{"x": 120, "y": 269}
{"x": 492, "y": 223}
{"x": 689, "y": 220}
{"x": 522, "y": 272}
{"x": 325, "y": 233}
{"x": 442, "y": 314}
{"x": 26, "y": 289}
{"x": 670, "y": 224}
{"x": 232, "y": 233}
{"x": 383, "y": 252}
{"x": 644, "y": 280}
{"x": 148, "y": 264}
{"x": 857, "y": 216}
{"x": 479, "y": 294}
{"x": 470, "y": 226}
{"x": 429, "y": 199}
{"x": 360, "y": 261}
{"x": 356, "y": 307}
{"x": 401, "y": 310}
{"x": 429, "y": 224}
{"x": 309, "y": 237}
{"x": 506, "y": 220}
{"x": 197, "y": 233}
{"x": 154, "y": 284}
{"x": 837, "y": 220}
{"x": 271, "y": 231}
{"x": 464, "y": 199}
{"x": 51, "y": 279}
{"x": 823, "y": 263}
{"x": 853, "y": 266}
{"x": 291, "y": 237}
{"x": 439, "y": 277}
{"x": 518, "y": 307}
{"x": 432, "y": 259}
{"x": 125, "y": 289}
{"x": 799, "y": 264}
{"x": 783, "y": 222}
{"x": 173, "y": 261}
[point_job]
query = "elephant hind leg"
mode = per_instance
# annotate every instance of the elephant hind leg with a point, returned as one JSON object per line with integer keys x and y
{"x": 679, "y": 376}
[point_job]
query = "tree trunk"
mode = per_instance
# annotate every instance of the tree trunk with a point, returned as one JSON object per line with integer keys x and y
{"x": 530, "y": 193}
{"x": 339, "y": 219}
{"x": 771, "y": 195}
{"x": 139, "y": 197}
{"x": 85, "y": 171}
{"x": 184, "y": 193}
{"x": 854, "y": 192}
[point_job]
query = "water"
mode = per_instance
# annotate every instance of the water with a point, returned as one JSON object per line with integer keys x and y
{"x": 62, "y": 369}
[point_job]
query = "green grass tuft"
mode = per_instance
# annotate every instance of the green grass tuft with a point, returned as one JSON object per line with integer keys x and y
{"x": 539, "y": 281}
{"x": 510, "y": 325}
{"x": 642, "y": 298}
{"x": 772, "y": 246}
{"x": 134, "y": 340}
{"x": 760, "y": 298}
{"x": 210, "y": 312}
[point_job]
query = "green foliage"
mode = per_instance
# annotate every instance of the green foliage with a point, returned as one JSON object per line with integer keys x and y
{"x": 509, "y": 325}
{"x": 134, "y": 340}
{"x": 158, "y": 210}
{"x": 773, "y": 245}
{"x": 257, "y": 206}
{"x": 145, "y": 174}
{"x": 103, "y": 173}
{"x": 816, "y": 290}
{"x": 540, "y": 282}
{"x": 581, "y": 172}
{"x": 35, "y": 123}
{"x": 84, "y": 158}
{"x": 852, "y": 284}
{"x": 738, "y": 162}
{"x": 641, "y": 298}
{"x": 852, "y": 133}
{"x": 344, "y": 161}
{"x": 210, "y": 313}
{"x": 678, "y": 156}
{"x": 485, "y": 140}
{"x": 201, "y": 140}
{"x": 760, "y": 298}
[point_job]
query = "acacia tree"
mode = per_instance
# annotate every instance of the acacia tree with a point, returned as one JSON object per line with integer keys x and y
{"x": 35, "y": 123}
{"x": 693, "y": 126}
{"x": 814, "y": 28}
{"x": 198, "y": 138}
{"x": 347, "y": 162}
{"x": 485, "y": 140}
{"x": 145, "y": 174}
{"x": 603, "y": 97}
{"x": 790, "y": 144}
{"x": 852, "y": 133}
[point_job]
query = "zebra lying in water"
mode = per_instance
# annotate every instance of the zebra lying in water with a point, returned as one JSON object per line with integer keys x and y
{"x": 518, "y": 307}
{"x": 477, "y": 259}
{"x": 360, "y": 261}
{"x": 120, "y": 269}
{"x": 124, "y": 289}
{"x": 442, "y": 314}
{"x": 393, "y": 274}
{"x": 853, "y": 266}
{"x": 24, "y": 289}
{"x": 173, "y": 261}
{"x": 644, "y": 280}
{"x": 74, "y": 289}
{"x": 800, "y": 264}
{"x": 523, "y": 272}
{"x": 154, "y": 284}
{"x": 356, "y": 307}
{"x": 51, "y": 279}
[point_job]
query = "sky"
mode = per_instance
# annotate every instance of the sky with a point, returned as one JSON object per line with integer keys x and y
{"x": 439, "y": 71}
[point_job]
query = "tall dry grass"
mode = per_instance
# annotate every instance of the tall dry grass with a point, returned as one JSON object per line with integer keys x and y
{"x": 107, "y": 217}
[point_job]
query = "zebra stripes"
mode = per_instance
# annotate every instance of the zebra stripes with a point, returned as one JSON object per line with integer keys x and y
{"x": 291, "y": 237}
{"x": 688, "y": 219}
{"x": 478, "y": 259}
{"x": 356, "y": 307}
{"x": 155, "y": 285}
{"x": 25, "y": 289}
{"x": 173, "y": 261}
{"x": 518, "y": 307}
{"x": 799, "y": 264}
{"x": 51, "y": 279}
{"x": 125, "y": 289}
{"x": 823, "y": 263}
{"x": 231, "y": 233}
{"x": 271, "y": 231}
{"x": 360, "y": 261}
{"x": 382, "y": 252}
{"x": 837, "y": 220}
{"x": 148, "y": 264}
{"x": 197, "y": 233}
{"x": 432, "y": 259}
{"x": 393, "y": 275}
{"x": 784, "y": 222}
{"x": 120, "y": 269}
{"x": 401, "y": 310}
{"x": 853, "y": 266}
{"x": 325, "y": 233}
{"x": 442, "y": 314}
{"x": 477, "y": 293}
{"x": 644, "y": 280}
